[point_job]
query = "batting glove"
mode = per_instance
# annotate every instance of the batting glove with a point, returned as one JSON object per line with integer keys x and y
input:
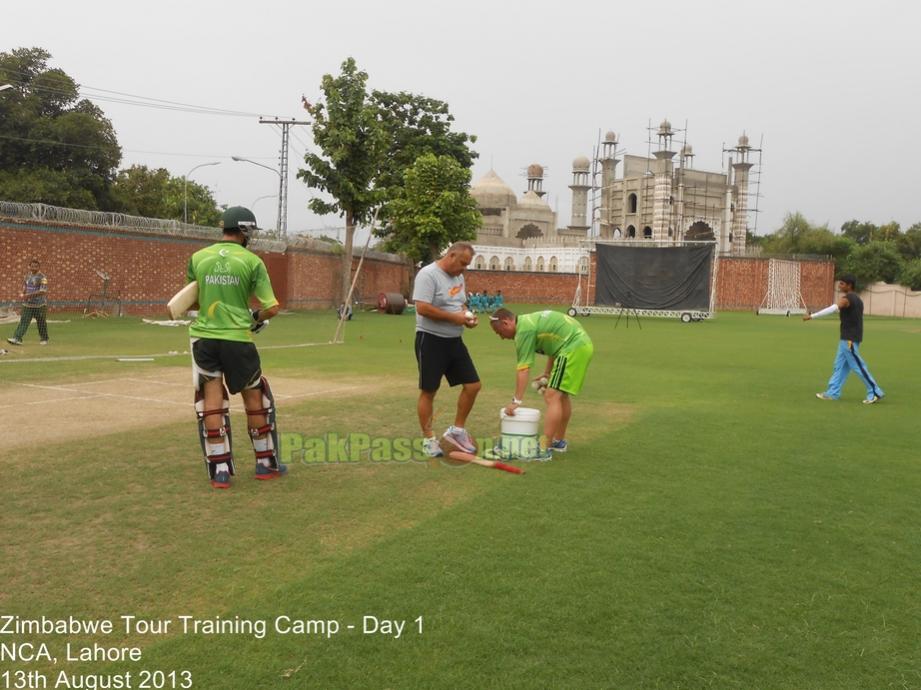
{"x": 258, "y": 326}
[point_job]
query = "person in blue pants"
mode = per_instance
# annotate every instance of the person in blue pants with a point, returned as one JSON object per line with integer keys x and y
{"x": 849, "y": 307}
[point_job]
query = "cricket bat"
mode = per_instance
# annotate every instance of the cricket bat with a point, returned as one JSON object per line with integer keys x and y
{"x": 183, "y": 300}
{"x": 494, "y": 464}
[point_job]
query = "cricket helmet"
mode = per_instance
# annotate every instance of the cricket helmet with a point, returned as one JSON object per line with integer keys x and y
{"x": 239, "y": 218}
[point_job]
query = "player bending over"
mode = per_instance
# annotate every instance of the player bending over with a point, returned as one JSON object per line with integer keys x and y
{"x": 569, "y": 351}
{"x": 228, "y": 276}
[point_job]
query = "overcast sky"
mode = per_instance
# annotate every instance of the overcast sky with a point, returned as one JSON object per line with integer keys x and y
{"x": 834, "y": 88}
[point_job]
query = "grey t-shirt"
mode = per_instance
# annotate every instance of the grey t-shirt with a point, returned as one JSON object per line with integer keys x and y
{"x": 443, "y": 291}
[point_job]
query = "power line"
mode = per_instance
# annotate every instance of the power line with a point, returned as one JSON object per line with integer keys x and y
{"x": 142, "y": 101}
{"x": 52, "y": 142}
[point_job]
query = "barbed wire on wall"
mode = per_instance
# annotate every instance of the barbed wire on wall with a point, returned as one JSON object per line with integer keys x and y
{"x": 125, "y": 222}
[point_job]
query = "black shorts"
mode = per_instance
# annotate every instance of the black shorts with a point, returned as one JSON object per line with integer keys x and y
{"x": 448, "y": 357}
{"x": 237, "y": 362}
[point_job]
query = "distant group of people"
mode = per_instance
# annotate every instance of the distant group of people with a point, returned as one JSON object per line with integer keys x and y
{"x": 480, "y": 302}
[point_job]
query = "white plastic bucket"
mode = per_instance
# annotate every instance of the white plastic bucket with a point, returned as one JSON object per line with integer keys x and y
{"x": 520, "y": 433}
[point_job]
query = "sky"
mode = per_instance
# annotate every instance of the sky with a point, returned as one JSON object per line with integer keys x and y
{"x": 831, "y": 91}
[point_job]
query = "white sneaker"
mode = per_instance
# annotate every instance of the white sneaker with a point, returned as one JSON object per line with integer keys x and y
{"x": 459, "y": 438}
{"x": 431, "y": 447}
{"x": 43, "y": 342}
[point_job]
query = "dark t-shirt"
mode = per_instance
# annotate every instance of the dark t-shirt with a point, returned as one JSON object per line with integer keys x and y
{"x": 852, "y": 318}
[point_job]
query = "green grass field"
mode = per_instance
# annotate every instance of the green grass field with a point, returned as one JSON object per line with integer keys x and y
{"x": 713, "y": 525}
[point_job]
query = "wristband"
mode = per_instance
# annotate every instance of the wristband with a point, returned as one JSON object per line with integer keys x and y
{"x": 515, "y": 401}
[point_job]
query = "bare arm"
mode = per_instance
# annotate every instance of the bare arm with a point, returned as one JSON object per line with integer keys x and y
{"x": 521, "y": 385}
{"x": 266, "y": 313}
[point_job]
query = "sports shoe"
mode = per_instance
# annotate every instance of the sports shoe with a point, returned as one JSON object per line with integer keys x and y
{"x": 221, "y": 480}
{"x": 543, "y": 455}
{"x": 873, "y": 399}
{"x": 460, "y": 439}
{"x": 14, "y": 341}
{"x": 264, "y": 473}
{"x": 559, "y": 446}
{"x": 824, "y": 396}
{"x": 42, "y": 342}
{"x": 431, "y": 447}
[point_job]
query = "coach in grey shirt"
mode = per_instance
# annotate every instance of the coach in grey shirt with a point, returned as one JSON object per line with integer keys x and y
{"x": 441, "y": 304}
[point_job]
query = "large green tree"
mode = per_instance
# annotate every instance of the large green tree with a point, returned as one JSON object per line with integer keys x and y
{"x": 861, "y": 232}
{"x": 875, "y": 261}
{"x": 432, "y": 209}
{"x": 55, "y": 148}
{"x": 417, "y": 125}
{"x": 353, "y": 145}
{"x": 909, "y": 243}
{"x": 154, "y": 193}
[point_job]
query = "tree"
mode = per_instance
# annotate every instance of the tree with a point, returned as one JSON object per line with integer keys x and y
{"x": 909, "y": 243}
{"x": 142, "y": 191}
{"x": 824, "y": 241}
{"x": 417, "y": 125}
{"x": 55, "y": 149}
{"x": 433, "y": 208}
{"x": 353, "y": 142}
{"x": 875, "y": 261}
{"x": 860, "y": 232}
{"x": 911, "y": 274}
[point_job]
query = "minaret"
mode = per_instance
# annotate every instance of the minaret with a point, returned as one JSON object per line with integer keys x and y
{"x": 685, "y": 162}
{"x": 609, "y": 163}
{"x": 536, "y": 179}
{"x": 580, "y": 187}
{"x": 740, "y": 177}
{"x": 662, "y": 184}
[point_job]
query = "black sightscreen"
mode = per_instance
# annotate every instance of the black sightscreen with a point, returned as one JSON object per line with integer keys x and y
{"x": 654, "y": 277}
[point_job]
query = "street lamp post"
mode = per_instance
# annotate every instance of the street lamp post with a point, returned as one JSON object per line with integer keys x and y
{"x": 185, "y": 193}
{"x": 239, "y": 159}
{"x": 260, "y": 198}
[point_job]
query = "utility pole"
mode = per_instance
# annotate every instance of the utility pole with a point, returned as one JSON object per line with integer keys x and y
{"x": 285, "y": 125}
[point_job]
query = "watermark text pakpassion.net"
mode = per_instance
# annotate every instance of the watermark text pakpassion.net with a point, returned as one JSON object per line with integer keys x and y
{"x": 333, "y": 448}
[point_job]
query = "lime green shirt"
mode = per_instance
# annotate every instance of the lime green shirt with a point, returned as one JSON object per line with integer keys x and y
{"x": 546, "y": 333}
{"x": 228, "y": 275}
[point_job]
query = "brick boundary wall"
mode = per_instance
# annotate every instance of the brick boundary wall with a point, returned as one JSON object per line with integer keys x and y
{"x": 146, "y": 269}
{"x": 741, "y": 284}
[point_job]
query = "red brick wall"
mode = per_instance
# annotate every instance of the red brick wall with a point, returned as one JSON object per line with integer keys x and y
{"x": 817, "y": 282}
{"x": 526, "y": 287}
{"x": 146, "y": 270}
{"x": 741, "y": 284}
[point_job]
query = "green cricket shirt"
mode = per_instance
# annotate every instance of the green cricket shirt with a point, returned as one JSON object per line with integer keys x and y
{"x": 228, "y": 274}
{"x": 546, "y": 333}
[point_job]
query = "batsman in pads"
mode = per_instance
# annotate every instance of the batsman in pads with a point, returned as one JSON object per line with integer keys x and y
{"x": 229, "y": 276}
{"x": 569, "y": 351}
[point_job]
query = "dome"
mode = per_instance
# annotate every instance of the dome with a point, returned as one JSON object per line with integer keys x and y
{"x": 610, "y": 137}
{"x": 687, "y": 150}
{"x": 581, "y": 164}
{"x": 665, "y": 127}
{"x": 490, "y": 190}
{"x": 743, "y": 141}
{"x": 535, "y": 170}
{"x": 532, "y": 200}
